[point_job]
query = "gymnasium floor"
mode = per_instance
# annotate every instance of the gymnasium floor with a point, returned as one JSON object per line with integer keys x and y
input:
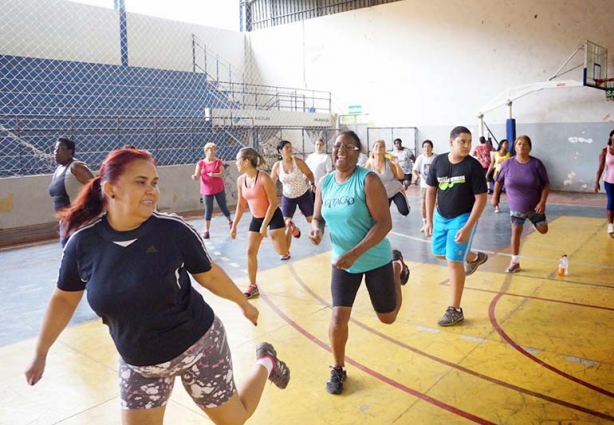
{"x": 534, "y": 348}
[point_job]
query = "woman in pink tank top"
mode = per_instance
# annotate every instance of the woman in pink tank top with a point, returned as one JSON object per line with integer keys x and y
{"x": 606, "y": 161}
{"x": 256, "y": 190}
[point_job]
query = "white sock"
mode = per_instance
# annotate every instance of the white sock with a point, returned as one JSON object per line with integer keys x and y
{"x": 515, "y": 258}
{"x": 267, "y": 362}
{"x": 424, "y": 221}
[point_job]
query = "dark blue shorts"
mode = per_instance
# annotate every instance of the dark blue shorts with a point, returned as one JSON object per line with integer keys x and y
{"x": 304, "y": 202}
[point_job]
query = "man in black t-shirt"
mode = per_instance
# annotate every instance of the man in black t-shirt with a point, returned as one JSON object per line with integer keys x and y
{"x": 458, "y": 182}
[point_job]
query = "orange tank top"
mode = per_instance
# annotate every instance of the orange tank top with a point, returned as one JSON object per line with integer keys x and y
{"x": 256, "y": 197}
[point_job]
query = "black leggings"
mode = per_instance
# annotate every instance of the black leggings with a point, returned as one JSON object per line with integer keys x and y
{"x": 400, "y": 200}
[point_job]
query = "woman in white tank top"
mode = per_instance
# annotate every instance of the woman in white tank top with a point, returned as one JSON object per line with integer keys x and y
{"x": 293, "y": 173}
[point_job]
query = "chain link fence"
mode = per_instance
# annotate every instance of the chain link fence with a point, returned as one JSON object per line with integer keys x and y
{"x": 106, "y": 78}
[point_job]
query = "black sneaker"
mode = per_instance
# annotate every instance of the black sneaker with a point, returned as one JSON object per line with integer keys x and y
{"x": 396, "y": 255}
{"x": 280, "y": 375}
{"x": 334, "y": 385}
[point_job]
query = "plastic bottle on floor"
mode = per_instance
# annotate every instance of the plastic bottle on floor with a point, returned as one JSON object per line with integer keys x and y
{"x": 563, "y": 266}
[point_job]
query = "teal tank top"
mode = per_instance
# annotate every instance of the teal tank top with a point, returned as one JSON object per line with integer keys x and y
{"x": 344, "y": 208}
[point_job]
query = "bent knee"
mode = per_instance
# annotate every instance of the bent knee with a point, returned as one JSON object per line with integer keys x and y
{"x": 387, "y": 318}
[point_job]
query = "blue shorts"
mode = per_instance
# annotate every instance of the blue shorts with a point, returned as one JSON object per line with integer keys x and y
{"x": 518, "y": 218}
{"x": 444, "y": 233}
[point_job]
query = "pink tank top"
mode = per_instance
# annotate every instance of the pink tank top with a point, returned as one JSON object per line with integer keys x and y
{"x": 256, "y": 197}
{"x": 609, "y": 166}
{"x": 210, "y": 185}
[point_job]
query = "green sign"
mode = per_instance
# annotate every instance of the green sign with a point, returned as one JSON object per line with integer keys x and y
{"x": 355, "y": 109}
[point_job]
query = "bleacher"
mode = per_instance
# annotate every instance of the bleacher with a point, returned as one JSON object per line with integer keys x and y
{"x": 103, "y": 107}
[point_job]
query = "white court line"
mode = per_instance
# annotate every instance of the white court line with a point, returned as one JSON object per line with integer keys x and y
{"x": 590, "y": 363}
{"x": 473, "y": 338}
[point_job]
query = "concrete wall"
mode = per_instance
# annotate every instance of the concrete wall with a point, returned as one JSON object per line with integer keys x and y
{"x": 24, "y": 201}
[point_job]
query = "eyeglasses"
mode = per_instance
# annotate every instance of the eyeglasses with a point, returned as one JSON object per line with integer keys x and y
{"x": 345, "y": 147}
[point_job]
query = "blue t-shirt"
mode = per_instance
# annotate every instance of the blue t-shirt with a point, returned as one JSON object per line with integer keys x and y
{"x": 523, "y": 183}
{"x": 138, "y": 282}
{"x": 344, "y": 209}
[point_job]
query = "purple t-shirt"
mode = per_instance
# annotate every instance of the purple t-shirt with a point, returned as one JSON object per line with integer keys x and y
{"x": 523, "y": 183}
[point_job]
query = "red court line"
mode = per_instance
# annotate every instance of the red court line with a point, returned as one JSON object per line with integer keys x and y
{"x": 431, "y": 357}
{"x": 531, "y": 297}
{"x": 373, "y": 373}
{"x": 506, "y": 337}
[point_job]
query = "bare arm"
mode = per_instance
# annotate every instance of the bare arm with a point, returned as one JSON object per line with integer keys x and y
{"x": 217, "y": 282}
{"x": 275, "y": 172}
{"x": 431, "y": 194}
{"x": 240, "y": 206}
{"x": 305, "y": 170}
{"x": 376, "y": 199}
{"x": 317, "y": 222}
{"x": 541, "y": 206}
{"x": 478, "y": 206}
{"x": 196, "y": 174}
{"x": 59, "y": 311}
{"x": 82, "y": 173}
{"x": 396, "y": 168}
{"x": 600, "y": 169}
{"x": 269, "y": 188}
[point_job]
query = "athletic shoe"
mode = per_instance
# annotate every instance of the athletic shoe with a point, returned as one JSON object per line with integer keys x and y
{"x": 206, "y": 235}
{"x": 296, "y": 232}
{"x": 451, "y": 317}
{"x": 471, "y": 267}
{"x": 280, "y": 375}
{"x": 334, "y": 385}
{"x": 230, "y": 223}
{"x": 497, "y": 209}
{"x": 396, "y": 255}
{"x": 251, "y": 292}
{"x": 285, "y": 257}
{"x": 611, "y": 229}
{"x": 423, "y": 228}
{"x": 513, "y": 267}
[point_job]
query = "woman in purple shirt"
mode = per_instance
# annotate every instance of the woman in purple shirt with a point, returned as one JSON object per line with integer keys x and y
{"x": 527, "y": 187}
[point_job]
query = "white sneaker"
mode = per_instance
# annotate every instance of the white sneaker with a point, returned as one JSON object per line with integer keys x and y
{"x": 611, "y": 229}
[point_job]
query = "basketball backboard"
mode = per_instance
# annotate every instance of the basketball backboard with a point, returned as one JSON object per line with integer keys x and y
{"x": 596, "y": 67}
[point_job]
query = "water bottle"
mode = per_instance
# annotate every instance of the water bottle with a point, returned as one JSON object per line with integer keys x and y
{"x": 563, "y": 265}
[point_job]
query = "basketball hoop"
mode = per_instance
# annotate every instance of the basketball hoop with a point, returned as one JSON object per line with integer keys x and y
{"x": 600, "y": 81}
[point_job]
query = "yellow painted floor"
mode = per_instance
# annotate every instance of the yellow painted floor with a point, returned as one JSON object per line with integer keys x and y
{"x": 534, "y": 348}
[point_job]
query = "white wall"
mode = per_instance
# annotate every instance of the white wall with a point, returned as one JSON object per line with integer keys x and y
{"x": 165, "y": 44}
{"x": 64, "y": 30}
{"x": 438, "y": 62}
{"x": 57, "y": 29}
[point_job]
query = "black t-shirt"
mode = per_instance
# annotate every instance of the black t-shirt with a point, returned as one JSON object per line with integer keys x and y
{"x": 457, "y": 184}
{"x": 138, "y": 282}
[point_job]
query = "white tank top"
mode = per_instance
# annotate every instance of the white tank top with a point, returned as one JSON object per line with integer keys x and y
{"x": 294, "y": 183}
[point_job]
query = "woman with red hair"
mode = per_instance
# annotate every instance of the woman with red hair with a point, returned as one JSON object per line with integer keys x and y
{"x": 135, "y": 263}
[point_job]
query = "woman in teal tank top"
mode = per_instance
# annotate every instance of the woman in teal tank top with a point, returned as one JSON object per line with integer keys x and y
{"x": 352, "y": 201}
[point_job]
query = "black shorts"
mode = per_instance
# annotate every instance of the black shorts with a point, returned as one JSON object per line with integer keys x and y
{"x": 277, "y": 222}
{"x": 379, "y": 282}
{"x": 303, "y": 202}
